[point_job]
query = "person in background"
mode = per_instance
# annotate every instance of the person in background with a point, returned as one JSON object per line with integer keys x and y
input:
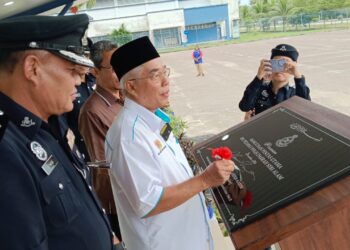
{"x": 46, "y": 198}
{"x": 159, "y": 201}
{"x": 96, "y": 117}
{"x": 197, "y": 56}
{"x": 84, "y": 90}
{"x": 271, "y": 84}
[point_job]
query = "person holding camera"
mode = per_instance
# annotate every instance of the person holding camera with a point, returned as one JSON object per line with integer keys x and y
{"x": 271, "y": 84}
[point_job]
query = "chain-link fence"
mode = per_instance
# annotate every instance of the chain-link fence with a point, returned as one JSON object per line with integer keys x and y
{"x": 164, "y": 38}
{"x": 331, "y": 19}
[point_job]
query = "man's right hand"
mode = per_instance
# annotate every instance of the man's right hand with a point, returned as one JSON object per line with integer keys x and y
{"x": 217, "y": 173}
{"x": 264, "y": 68}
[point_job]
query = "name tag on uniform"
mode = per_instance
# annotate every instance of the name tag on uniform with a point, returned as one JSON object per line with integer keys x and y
{"x": 49, "y": 165}
{"x": 165, "y": 131}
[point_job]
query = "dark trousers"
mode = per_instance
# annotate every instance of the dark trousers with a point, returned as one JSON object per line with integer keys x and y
{"x": 113, "y": 220}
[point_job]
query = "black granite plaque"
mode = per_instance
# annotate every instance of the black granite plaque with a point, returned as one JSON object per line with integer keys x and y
{"x": 280, "y": 157}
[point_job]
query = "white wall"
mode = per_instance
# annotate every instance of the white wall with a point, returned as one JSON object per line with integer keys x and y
{"x": 166, "y": 19}
{"x": 130, "y": 10}
{"x": 147, "y": 17}
{"x": 132, "y": 24}
{"x": 194, "y": 3}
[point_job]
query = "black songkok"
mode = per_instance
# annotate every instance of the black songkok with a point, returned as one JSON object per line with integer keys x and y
{"x": 133, "y": 54}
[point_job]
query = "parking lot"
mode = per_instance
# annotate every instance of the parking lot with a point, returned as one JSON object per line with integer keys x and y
{"x": 209, "y": 104}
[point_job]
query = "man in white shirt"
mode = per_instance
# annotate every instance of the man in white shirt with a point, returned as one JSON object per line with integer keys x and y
{"x": 159, "y": 202}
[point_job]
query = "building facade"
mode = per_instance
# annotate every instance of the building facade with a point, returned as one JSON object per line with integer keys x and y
{"x": 168, "y": 23}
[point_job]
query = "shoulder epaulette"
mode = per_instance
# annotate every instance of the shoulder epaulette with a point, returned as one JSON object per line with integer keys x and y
{"x": 3, "y": 123}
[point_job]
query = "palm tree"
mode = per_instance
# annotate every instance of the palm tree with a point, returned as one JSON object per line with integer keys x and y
{"x": 246, "y": 16}
{"x": 245, "y": 12}
{"x": 283, "y": 8}
{"x": 260, "y": 8}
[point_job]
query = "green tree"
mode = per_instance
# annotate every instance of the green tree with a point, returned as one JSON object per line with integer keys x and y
{"x": 246, "y": 16}
{"x": 245, "y": 12}
{"x": 90, "y": 4}
{"x": 283, "y": 8}
{"x": 121, "y": 36}
{"x": 260, "y": 8}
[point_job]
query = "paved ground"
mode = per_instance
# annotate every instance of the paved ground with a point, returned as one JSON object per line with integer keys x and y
{"x": 210, "y": 104}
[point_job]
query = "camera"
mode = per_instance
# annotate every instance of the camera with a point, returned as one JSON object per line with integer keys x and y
{"x": 277, "y": 65}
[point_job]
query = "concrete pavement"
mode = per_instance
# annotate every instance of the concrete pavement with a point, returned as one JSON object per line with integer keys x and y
{"x": 210, "y": 104}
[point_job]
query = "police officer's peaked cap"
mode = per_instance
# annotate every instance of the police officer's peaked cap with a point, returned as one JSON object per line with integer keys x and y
{"x": 285, "y": 50}
{"x": 61, "y": 35}
{"x": 133, "y": 54}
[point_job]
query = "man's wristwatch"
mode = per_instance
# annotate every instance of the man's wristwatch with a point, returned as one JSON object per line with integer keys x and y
{"x": 119, "y": 246}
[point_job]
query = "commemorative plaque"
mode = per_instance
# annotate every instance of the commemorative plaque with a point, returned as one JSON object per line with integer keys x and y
{"x": 280, "y": 156}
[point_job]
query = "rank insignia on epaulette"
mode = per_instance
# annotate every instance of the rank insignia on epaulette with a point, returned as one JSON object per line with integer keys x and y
{"x": 38, "y": 150}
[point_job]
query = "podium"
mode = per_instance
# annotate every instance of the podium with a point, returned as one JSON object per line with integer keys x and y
{"x": 307, "y": 218}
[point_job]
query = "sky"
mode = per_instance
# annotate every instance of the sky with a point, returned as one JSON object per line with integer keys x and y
{"x": 245, "y": 2}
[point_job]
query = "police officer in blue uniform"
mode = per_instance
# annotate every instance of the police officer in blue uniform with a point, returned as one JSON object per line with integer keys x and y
{"x": 45, "y": 193}
{"x": 84, "y": 90}
{"x": 271, "y": 84}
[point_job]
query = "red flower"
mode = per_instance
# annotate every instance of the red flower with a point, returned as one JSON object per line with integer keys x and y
{"x": 247, "y": 199}
{"x": 221, "y": 153}
{"x": 74, "y": 9}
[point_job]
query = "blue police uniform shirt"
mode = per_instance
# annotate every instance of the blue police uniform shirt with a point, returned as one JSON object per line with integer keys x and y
{"x": 259, "y": 96}
{"x": 46, "y": 198}
{"x": 84, "y": 90}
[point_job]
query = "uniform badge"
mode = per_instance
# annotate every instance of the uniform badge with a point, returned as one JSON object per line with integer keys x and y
{"x": 159, "y": 145}
{"x": 165, "y": 131}
{"x": 26, "y": 122}
{"x": 49, "y": 165}
{"x": 283, "y": 48}
{"x": 38, "y": 150}
{"x": 264, "y": 93}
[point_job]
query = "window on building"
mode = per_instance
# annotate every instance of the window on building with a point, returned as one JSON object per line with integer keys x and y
{"x": 130, "y": 2}
{"x": 104, "y": 3}
{"x": 136, "y": 35}
{"x": 166, "y": 37}
{"x": 200, "y": 26}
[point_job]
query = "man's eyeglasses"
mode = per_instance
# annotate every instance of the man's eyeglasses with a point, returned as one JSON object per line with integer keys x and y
{"x": 155, "y": 76}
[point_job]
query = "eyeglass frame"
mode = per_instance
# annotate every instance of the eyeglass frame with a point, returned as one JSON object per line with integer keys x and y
{"x": 165, "y": 73}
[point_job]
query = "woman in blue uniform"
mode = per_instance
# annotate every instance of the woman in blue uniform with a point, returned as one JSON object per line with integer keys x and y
{"x": 271, "y": 84}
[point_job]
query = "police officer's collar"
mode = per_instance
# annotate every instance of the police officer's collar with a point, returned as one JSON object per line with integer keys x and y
{"x": 26, "y": 121}
{"x": 153, "y": 121}
{"x": 284, "y": 88}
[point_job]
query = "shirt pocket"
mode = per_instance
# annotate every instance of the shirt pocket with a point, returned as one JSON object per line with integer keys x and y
{"x": 60, "y": 198}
